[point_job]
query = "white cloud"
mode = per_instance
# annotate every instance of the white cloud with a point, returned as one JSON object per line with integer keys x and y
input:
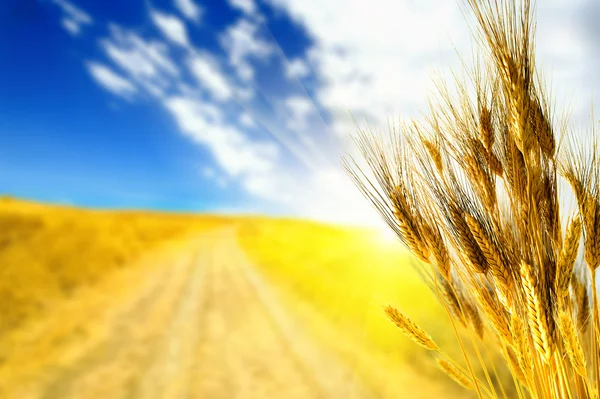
{"x": 74, "y": 12}
{"x": 247, "y": 120}
{"x": 296, "y": 69}
{"x": 244, "y": 93}
{"x": 246, "y": 6}
{"x": 327, "y": 195}
{"x": 172, "y": 27}
{"x": 206, "y": 70}
{"x": 146, "y": 62}
{"x": 71, "y": 26}
{"x": 338, "y": 200}
{"x": 111, "y": 80}
{"x": 268, "y": 187}
{"x": 241, "y": 42}
{"x": 378, "y": 65}
{"x": 235, "y": 152}
{"x": 382, "y": 65}
{"x": 269, "y": 163}
{"x": 189, "y": 9}
{"x": 73, "y": 17}
{"x": 300, "y": 109}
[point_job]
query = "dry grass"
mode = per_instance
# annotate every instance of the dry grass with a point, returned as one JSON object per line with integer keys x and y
{"x": 485, "y": 176}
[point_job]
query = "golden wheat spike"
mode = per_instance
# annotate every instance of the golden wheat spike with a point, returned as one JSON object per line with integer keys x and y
{"x": 486, "y": 131}
{"x": 583, "y": 306}
{"x": 453, "y": 372}
{"x": 474, "y": 318}
{"x": 494, "y": 163}
{"x": 537, "y": 313}
{"x": 592, "y": 233}
{"x": 571, "y": 342}
{"x": 543, "y": 129}
{"x": 566, "y": 259}
{"x": 411, "y": 239}
{"x": 515, "y": 366}
{"x": 449, "y": 295}
{"x": 409, "y": 328}
{"x": 406, "y": 226}
{"x": 521, "y": 335}
{"x": 435, "y": 154}
{"x": 437, "y": 248}
{"x": 494, "y": 313}
{"x": 577, "y": 186}
{"x": 482, "y": 180}
{"x": 469, "y": 247}
{"x": 492, "y": 255}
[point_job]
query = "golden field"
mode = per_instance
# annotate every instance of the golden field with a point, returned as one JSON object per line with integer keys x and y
{"x": 99, "y": 304}
{"x": 47, "y": 253}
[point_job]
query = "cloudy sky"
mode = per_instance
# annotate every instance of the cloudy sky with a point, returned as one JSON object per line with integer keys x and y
{"x": 233, "y": 105}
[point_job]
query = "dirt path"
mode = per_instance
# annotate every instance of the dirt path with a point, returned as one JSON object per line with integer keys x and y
{"x": 203, "y": 325}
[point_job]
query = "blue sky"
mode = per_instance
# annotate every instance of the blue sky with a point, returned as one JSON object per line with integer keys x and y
{"x": 229, "y": 105}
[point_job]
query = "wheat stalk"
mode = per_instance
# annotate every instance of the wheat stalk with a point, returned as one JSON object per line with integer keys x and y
{"x": 474, "y": 193}
{"x": 453, "y": 372}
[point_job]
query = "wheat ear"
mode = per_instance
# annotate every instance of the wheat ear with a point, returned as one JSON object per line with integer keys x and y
{"x": 453, "y": 372}
{"x": 571, "y": 341}
{"x": 409, "y": 328}
{"x": 537, "y": 313}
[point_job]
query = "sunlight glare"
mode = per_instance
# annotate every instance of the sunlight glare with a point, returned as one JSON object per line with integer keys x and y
{"x": 387, "y": 236}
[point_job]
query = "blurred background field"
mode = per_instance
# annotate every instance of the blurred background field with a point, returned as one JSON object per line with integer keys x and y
{"x": 48, "y": 253}
{"x": 63, "y": 268}
{"x": 341, "y": 277}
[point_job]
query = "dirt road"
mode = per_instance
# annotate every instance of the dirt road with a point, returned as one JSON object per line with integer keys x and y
{"x": 201, "y": 323}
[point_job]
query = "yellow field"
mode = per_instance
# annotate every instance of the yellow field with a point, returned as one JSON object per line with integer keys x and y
{"x": 343, "y": 277}
{"x": 209, "y": 307}
{"x": 48, "y": 253}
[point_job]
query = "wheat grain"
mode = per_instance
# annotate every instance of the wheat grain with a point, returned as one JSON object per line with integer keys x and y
{"x": 566, "y": 260}
{"x": 406, "y": 225}
{"x": 515, "y": 366}
{"x": 537, "y": 313}
{"x": 469, "y": 246}
{"x": 583, "y": 307}
{"x": 572, "y": 345}
{"x": 474, "y": 318}
{"x": 492, "y": 255}
{"x": 542, "y": 129}
{"x": 449, "y": 295}
{"x": 486, "y": 131}
{"x": 434, "y": 152}
{"x": 592, "y": 230}
{"x": 437, "y": 248}
{"x": 495, "y": 314}
{"x": 520, "y": 335}
{"x": 409, "y": 328}
{"x": 494, "y": 163}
